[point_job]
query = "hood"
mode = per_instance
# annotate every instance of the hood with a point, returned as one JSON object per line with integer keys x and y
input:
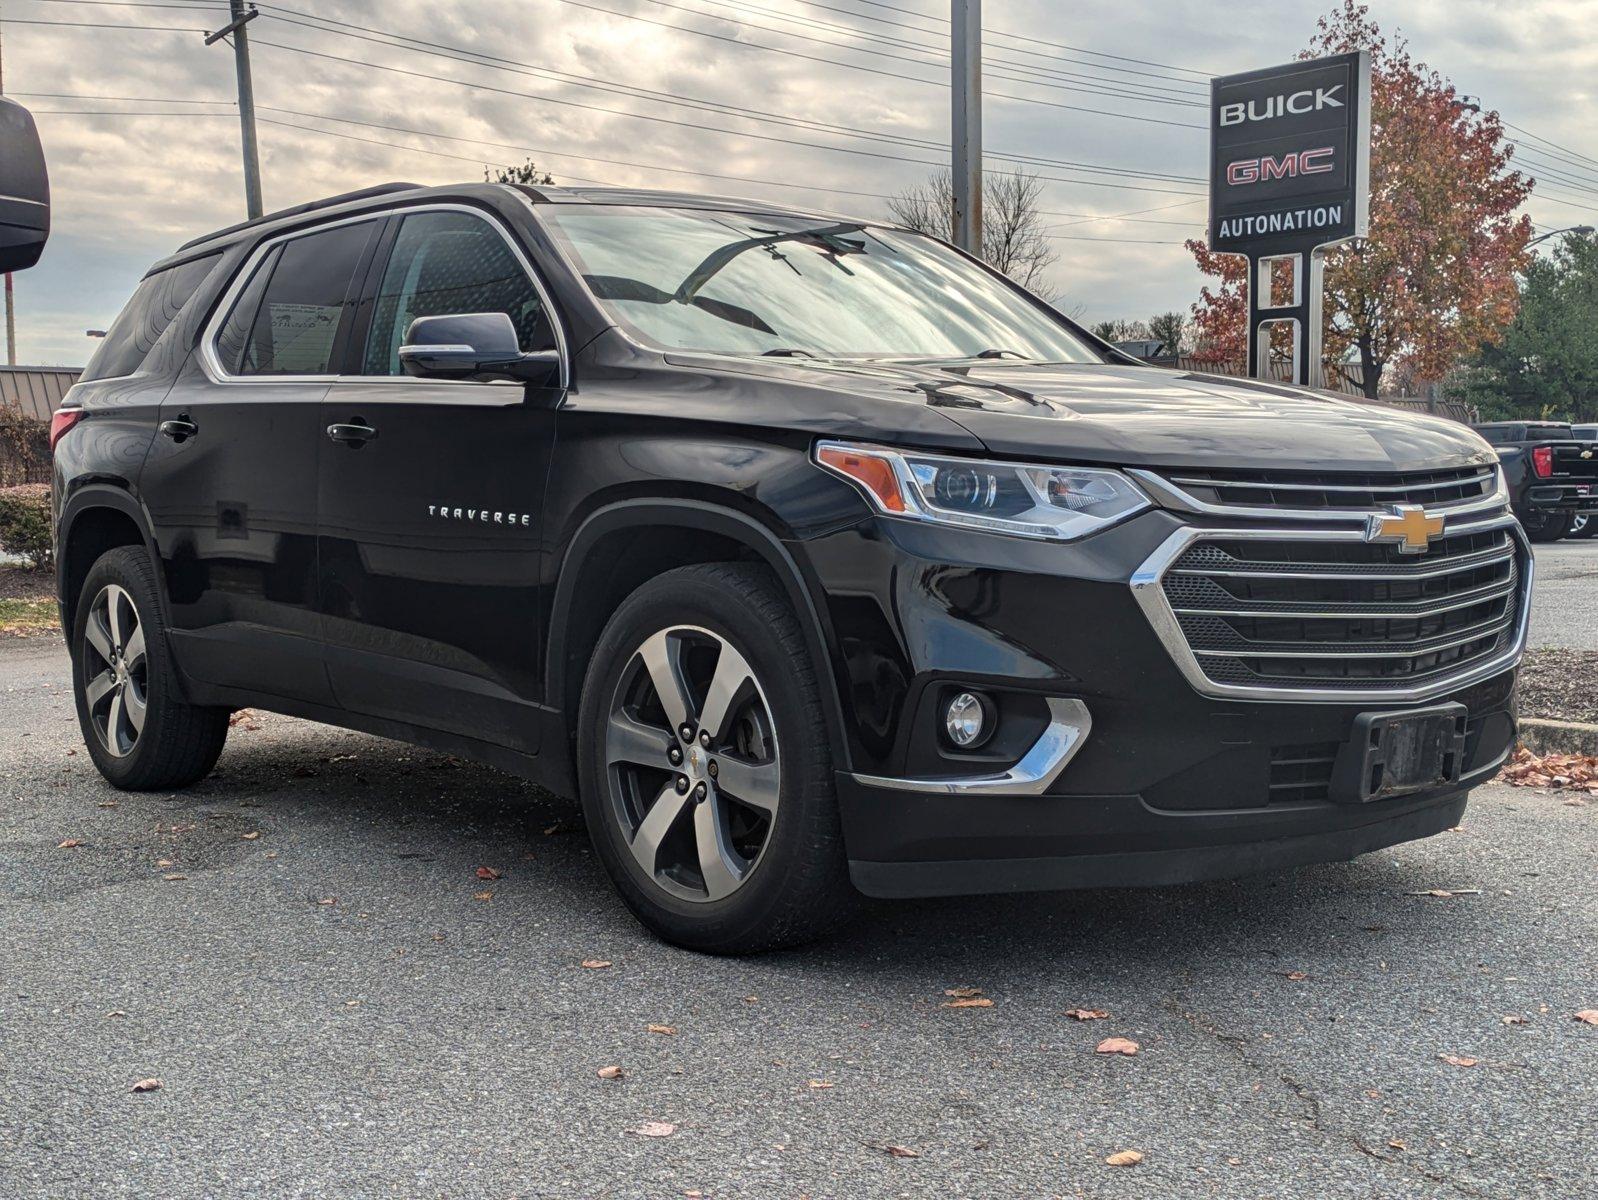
{"x": 1145, "y": 416}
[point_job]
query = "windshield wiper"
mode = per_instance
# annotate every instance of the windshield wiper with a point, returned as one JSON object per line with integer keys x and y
{"x": 786, "y": 352}
{"x": 828, "y": 237}
{"x": 998, "y": 354}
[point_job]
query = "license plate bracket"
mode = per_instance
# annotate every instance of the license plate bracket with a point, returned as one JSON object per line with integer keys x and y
{"x": 1396, "y": 753}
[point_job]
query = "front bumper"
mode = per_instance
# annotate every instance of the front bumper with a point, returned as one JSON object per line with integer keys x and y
{"x": 1169, "y": 785}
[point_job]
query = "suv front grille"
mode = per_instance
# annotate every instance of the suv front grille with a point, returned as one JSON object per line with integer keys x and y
{"x": 1330, "y": 612}
{"x": 1337, "y": 491}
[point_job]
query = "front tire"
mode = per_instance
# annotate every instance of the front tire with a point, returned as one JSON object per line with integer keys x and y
{"x": 1545, "y": 526}
{"x": 140, "y": 731}
{"x": 705, "y": 767}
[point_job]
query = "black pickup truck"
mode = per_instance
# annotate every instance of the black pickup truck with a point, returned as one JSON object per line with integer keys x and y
{"x": 1551, "y": 473}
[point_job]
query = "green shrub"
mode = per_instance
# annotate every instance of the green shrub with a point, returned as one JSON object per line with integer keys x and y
{"x": 25, "y": 523}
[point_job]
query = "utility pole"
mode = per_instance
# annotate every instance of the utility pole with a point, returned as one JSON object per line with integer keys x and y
{"x": 11, "y": 299}
{"x": 241, "y": 61}
{"x": 965, "y": 47}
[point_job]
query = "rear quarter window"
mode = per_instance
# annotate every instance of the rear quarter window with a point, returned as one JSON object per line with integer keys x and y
{"x": 155, "y": 304}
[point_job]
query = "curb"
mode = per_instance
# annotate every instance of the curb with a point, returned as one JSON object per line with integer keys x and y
{"x": 1542, "y": 736}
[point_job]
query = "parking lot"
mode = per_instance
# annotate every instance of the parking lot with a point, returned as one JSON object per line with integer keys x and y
{"x": 303, "y": 951}
{"x": 1565, "y": 611}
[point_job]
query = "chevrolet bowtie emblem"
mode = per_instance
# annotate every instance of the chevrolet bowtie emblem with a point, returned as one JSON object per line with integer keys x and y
{"x": 1409, "y": 525}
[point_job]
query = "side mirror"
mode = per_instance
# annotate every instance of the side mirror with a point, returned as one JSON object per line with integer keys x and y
{"x": 24, "y": 189}
{"x": 473, "y": 346}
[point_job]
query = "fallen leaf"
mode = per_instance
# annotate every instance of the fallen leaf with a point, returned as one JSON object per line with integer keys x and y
{"x": 1296, "y": 976}
{"x": 969, "y": 1002}
{"x": 1086, "y": 1014}
{"x": 1117, "y": 1045}
{"x": 892, "y": 1151}
{"x": 821, "y": 1083}
{"x": 147, "y": 1085}
{"x": 609, "y": 1072}
{"x": 164, "y": 862}
{"x": 328, "y": 901}
{"x": 1458, "y": 1060}
{"x": 655, "y": 1129}
{"x": 173, "y": 878}
{"x": 1397, "y": 1144}
{"x": 485, "y": 896}
{"x": 1514, "y": 1019}
{"x": 667, "y": 1030}
{"x": 68, "y": 844}
{"x": 1588, "y": 1016}
{"x": 962, "y": 993}
{"x": 1125, "y": 1158}
{"x": 250, "y": 837}
{"x": 115, "y": 1012}
{"x": 487, "y": 873}
{"x": 595, "y": 964}
{"x": 1445, "y": 894}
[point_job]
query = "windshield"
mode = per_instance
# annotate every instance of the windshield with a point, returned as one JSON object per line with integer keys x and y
{"x": 688, "y": 279}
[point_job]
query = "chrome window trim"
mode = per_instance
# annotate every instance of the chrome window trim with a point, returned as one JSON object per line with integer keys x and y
{"x": 1069, "y": 726}
{"x": 1169, "y": 495}
{"x": 211, "y": 362}
{"x": 1146, "y": 584}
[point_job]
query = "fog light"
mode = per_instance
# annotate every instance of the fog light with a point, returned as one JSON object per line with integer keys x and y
{"x": 966, "y": 721}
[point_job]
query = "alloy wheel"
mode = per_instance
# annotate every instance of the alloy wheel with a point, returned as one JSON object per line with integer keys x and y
{"x": 692, "y": 763}
{"x": 114, "y": 670}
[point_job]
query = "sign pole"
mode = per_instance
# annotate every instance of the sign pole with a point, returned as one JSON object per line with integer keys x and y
{"x": 965, "y": 27}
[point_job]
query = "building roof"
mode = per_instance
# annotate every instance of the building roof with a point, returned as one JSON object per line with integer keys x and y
{"x": 37, "y": 391}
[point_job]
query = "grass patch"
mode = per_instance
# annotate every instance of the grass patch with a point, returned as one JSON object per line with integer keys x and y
{"x": 21, "y": 617}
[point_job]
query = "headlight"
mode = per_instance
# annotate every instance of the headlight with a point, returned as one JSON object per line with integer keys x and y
{"x": 1016, "y": 498}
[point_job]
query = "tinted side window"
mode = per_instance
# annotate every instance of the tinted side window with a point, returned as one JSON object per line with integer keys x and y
{"x": 287, "y": 319}
{"x": 445, "y": 263}
{"x": 154, "y": 305}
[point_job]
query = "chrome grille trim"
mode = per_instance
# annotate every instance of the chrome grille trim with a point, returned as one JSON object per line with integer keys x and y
{"x": 1147, "y": 585}
{"x": 1382, "y": 488}
{"x": 1480, "y": 596}
{"x": 1168, "y": 492}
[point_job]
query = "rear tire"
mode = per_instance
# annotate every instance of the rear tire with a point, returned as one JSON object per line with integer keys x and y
{"x": 705, "y": 765}
{"x": 1545, "y": 526}
{"x": 1585, "y": 525}
{"x": 140, "y": 731}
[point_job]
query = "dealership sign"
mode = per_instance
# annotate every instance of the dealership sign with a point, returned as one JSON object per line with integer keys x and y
{"x": 1290, "y": 156}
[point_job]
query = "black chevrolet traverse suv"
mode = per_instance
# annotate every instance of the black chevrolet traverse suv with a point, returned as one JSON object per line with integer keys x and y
{"x": 814, "y": 556}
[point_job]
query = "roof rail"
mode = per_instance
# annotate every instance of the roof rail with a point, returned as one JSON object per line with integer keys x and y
{"x": 381, "y": 189}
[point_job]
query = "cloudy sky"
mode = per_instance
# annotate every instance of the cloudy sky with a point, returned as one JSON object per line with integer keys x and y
{"x": 835, "y": 103}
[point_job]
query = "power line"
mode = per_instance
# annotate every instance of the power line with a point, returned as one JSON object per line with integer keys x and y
{"x": 873, "y": 70}
{"x": 1127, "y": 90}
{"x": 1042, "y": 41}
{"x": 1555, "y": 145}
{"x": 683, "y": 124}
{"x": 454, "y": 53}
{"x": 1193, "y": 83}
{"x": 480, "y": 159}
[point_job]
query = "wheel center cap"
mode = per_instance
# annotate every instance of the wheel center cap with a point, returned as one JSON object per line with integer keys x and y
{"x": 694, "y": 761}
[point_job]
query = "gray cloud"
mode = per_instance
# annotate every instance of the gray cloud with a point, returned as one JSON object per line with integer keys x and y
{"x": 129, "y": 188}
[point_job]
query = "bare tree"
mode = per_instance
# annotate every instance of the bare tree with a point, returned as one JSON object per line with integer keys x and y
{"x": 1168, "y": 329}
{"x": 1013, "y": 236}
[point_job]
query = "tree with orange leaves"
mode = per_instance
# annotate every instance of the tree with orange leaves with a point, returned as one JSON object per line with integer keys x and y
{"x": 1436, "y": 278}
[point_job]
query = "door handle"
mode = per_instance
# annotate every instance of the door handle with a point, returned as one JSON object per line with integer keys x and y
{"x": 353, "y": 435}
{"x": 180, "y": 430}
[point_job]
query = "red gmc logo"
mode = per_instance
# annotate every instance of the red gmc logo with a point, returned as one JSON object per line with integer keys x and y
{"x": 1257, "y": 170}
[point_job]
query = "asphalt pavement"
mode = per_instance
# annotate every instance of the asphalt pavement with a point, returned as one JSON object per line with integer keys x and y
{"x": 302, "y": 951}
{"x": 1564, "y": 611}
